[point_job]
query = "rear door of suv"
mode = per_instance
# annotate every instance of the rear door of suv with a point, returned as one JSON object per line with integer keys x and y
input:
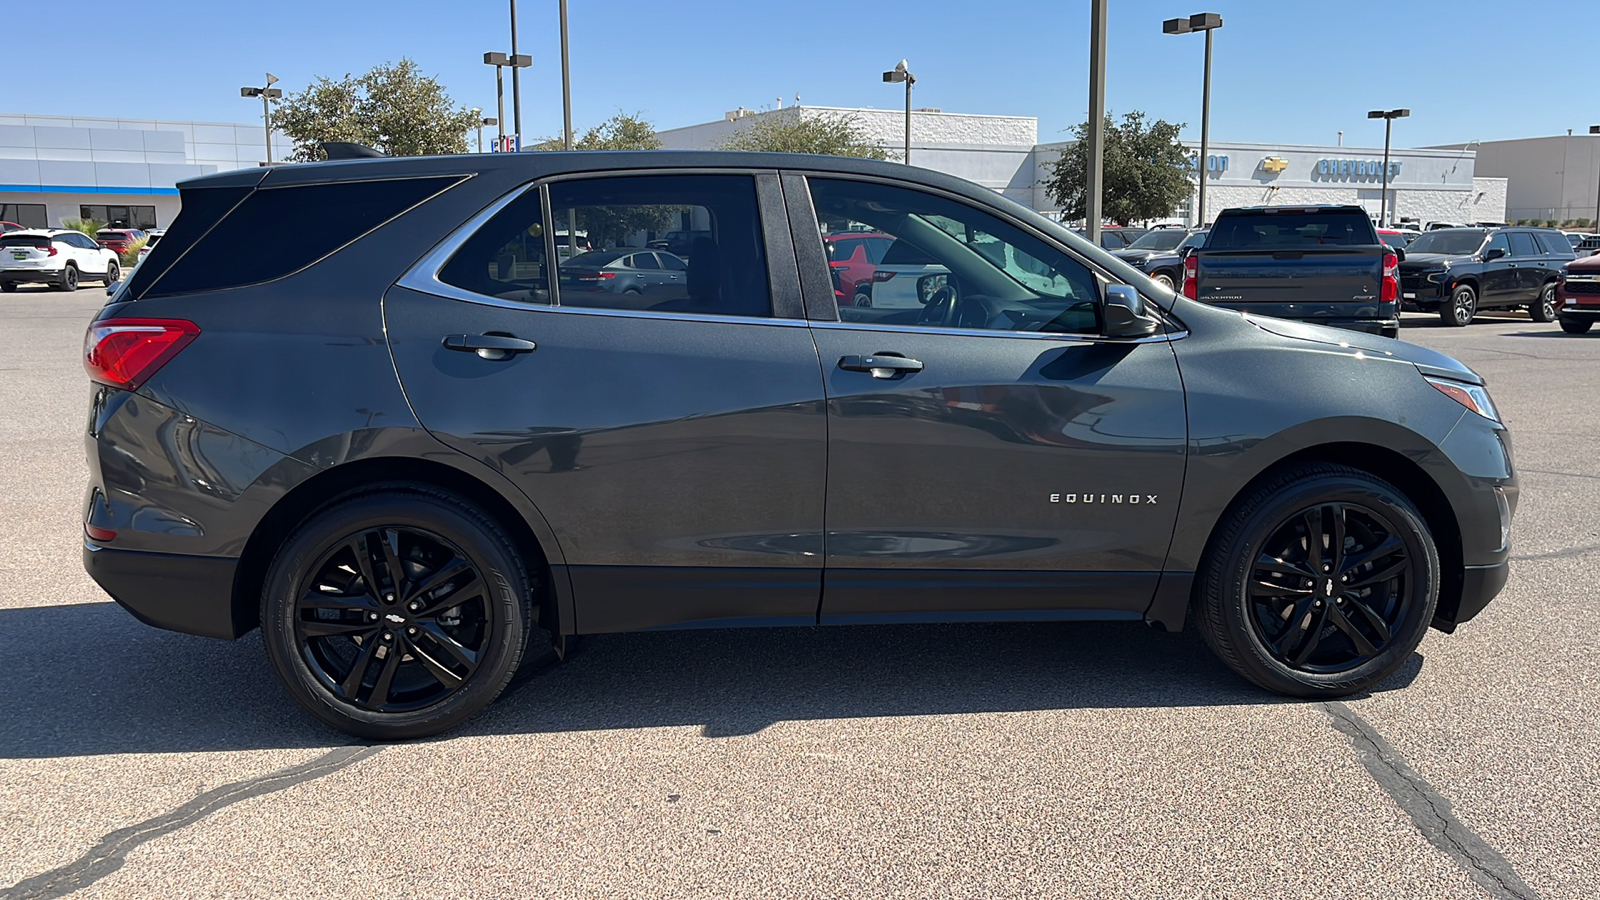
{"x": 677, "y": 452}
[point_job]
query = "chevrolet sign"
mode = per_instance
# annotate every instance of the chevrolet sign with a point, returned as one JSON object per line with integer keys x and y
{"x": 1274, "y": 164}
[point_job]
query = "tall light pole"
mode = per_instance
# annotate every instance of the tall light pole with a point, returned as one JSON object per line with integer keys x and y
{"x": 1388, "y": 116}
{"x": 1595, "y": 129}
{"x": 900, "y": 73}
{"x": 1094, "y": 180}
{"x": 267, "y": 94}
{"x": 1207, "y": 22}
{"x": 516, "y": 85}
{"x": 481, "y": 121}
{"x": 500, "y": 61}
{"x": 566, "y": 91}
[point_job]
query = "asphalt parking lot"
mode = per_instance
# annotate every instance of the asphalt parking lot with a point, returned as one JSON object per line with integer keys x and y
{"x": 1051, "y": 760}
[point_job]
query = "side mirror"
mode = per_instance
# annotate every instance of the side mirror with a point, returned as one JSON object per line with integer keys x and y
{"x": 928, "y": 285}
{"x": 1399, "y": 253}
{"x": 1492, "y": 255}
{"x": 1125, "y": 314}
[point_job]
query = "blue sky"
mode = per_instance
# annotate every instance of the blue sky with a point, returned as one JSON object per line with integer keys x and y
{"x": 1284, "y": 71}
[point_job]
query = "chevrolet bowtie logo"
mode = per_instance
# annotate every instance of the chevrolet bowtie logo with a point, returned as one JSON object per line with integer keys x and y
{"x": 1274, "y": 165}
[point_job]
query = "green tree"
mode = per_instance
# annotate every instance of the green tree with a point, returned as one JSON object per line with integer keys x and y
{"x": 1146, "y": 171}
{"x": 794, "y": 131}
{"x": 393, "y": 108}
{"x": 611, "y": 225}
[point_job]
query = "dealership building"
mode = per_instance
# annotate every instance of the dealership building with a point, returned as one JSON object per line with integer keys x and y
{"x": 1003, "y": 153}
{"x": 1551, "y": 179}
{"x": 121, "y": 171}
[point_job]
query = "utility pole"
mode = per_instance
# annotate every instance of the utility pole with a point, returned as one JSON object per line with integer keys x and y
{"x": 516, "y": 83}
{"x": 566, "y": 82}
{"x": 1388, "y": 116}
{"x": 267, "y": 94}
{"x": 1094, "y": 183}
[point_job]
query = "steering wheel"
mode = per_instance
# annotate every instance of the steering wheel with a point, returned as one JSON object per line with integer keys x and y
{"x": 940, "y": 308}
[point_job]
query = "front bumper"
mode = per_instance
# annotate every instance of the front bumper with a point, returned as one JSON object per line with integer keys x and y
{"x": 1567, "y": 307}
{"x": 191, "y": 594}
{"x": 1479, "y": 585}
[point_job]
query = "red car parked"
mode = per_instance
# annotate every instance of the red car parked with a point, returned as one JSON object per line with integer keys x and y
{"x": 1578, "y": 295}
{"x": 8, "y": 227}
{"x": 854, "y": 258}
{"x": 117, "y": 239}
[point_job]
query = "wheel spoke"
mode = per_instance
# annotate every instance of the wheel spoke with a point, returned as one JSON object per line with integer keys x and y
{"x": 1372, "y": 618}
{"x": 1381, "y": 575}
{"x": 318, "y": 628}
{"x": 450, "y": 570}
{"x": 1341, "y": 622}
{"x": 320, "y": 600}
{"x": 1388, "y": 545}
{"x": 1294, "y": 629}
{"x": 440, "y": 672}
{"x": 1313, "y": 522}
{"x": 380, "y": 688}
{"x": 448, "y": 644}
{"x": 1284, "y": 567}
{"x": 1335, "y": 557}
{"x": 359, "y": 547}
{"x": 1277, "y": 589}
{"x": 389, "y": 544}
{"x": 1319, "y": 618}
{"x": 358, "y": 670}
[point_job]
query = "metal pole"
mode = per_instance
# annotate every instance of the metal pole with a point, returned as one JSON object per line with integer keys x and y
{"x": 500, "y": 103}
{"x": 480, "y": 134}
{"x": 909, "y": 81}
{"x": 1205, "y": 129}
{"x": 266, "y": 121}
{"x": 1383, "y": 202}
{"x": 1095, "y": 174}
{"x": 516, "y": 83}
{"x": 566, "y": 86}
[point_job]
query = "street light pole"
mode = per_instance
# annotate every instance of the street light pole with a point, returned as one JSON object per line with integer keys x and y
{"x": 516, "y": 84}
{"x": 500, "y": 61}
{"x": 1595, "y": 129}
{"x": 1094, "y": 180}
{"x": 566, "y": 89}
{"x": 901, "y": 72}
{"x": 1388, "y": 116}
{"x": 267, "y": 94}
{"x": 1207, "y": 22}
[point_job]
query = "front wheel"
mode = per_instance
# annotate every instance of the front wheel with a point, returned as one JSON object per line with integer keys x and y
{"x": 1460, "y": 308}
{"x": 1163, "y": 279}
{"x": 397, "y": 613}
{"x": 1320, "y": 582}
{"x": 9, "y": 287}
{"x": 1575, "y": 326}
{"x": 113, "y": 274}
{"x": 1544, "y": 310}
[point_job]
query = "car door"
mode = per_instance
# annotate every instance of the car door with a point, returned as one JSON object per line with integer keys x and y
{"x": 990, "y": 456}
{"x": 1499, "y": 275}
{"x": 677, "y": 452}
{"x": 1530, "y": 263}
{"x": 648, "y": 271}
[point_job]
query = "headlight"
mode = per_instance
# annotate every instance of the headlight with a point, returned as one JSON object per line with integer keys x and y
{"x": 1473, "y": 396}
{"x": 1437, "y": 277}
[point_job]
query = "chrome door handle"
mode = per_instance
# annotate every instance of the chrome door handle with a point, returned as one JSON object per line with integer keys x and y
{"x": 489, "y": 346}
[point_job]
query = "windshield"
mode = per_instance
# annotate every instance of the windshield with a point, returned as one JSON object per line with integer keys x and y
{"x": 1194, "y": 240}
{"x": 1163, "y": 239}
{"x": 1455, "y": 242}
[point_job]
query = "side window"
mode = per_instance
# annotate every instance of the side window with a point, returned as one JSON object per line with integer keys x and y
{"x": 645, "y": 261}
{"x": 82, "y": 241}
{"x": 1498, "y": 242}
{"x": 672, "y": 263}
{"x": 950, "y": 265}
{"x": 876, "y": 247}
{"x": 841, "y": 251}
{"x": 725, "y": 266}
{"x": 1554, "y": 243}
{"x": 505, "y": 259}
{"x": 1522, "y": 244}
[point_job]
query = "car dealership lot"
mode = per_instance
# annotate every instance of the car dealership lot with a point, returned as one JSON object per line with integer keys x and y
{"x": 1037, "y": 760}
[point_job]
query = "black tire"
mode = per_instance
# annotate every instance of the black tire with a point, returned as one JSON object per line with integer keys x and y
{"x": 1544, "y": 309}
{"x": 1576, "y": 326}
{"x": 320, "y": 614}
{"x": 69, "y": 279}
{"x": 9, "y": 287}
{"x": 862, "y": 299}
{"x": 113, "y": 274}
{"x": 1460, "y": 308}
{"x": 1251, "y": 590}
{"x": 1165, "y": 279}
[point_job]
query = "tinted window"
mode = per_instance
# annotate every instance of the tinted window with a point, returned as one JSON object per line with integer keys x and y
{"x": 876, "y": 248}
{"x": 113, "y": 236}
{"x": 726, "y": 271}
{"x": 643, "y": 261}
{"x": 506, "y": 258}
{"x": 1453, "y": 242}
{"x": 1499, "y": 242}
{"x": 672, "y": 263}
{"x": 954, "y": 266}
{"x": 1393, "y": 240}
{"x": 842, "y": 251}
{"x": 12, "y": 240}
{"x": 1522, "y": 244}
{"x": 1164, "y": 239}
{"x": 28, "y": 215}
{"x": 1554, "y": 243}
{"x": 278, "y": 231}
{"x": 81, "y": 241}
{"x": 1288, "y": 229}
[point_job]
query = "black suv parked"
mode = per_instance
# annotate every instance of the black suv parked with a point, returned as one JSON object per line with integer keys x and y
{"x": 398, "y": 442}
{"x": 1458, "y": 272}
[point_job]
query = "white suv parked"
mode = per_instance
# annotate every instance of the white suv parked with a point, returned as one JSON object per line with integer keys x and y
{"x": 54, "y": 257}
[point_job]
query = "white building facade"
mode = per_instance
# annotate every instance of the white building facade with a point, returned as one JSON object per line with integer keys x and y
{"x": 122, "y": 171}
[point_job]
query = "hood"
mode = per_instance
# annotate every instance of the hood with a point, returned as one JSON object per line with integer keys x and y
{"x": 1132, "y": 255}
{"x": 1588, "y": 265}
{"x": 1430, "y": 362}
{"x": 1417, "y": 261}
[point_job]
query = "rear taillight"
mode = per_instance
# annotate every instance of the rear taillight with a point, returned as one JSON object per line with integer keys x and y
{"x": 1191, "y": 278}
{"x": 881, "y": 276}
{"x": 1389, "y": 291}
{"x": 50, "y": 250}
{"x": 125, "y": 352}
{"x": 597, "y": 276}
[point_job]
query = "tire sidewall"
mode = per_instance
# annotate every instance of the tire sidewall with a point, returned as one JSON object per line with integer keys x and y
{"x": 1252, "y": 653}
{"x": 1463, "y": 297}
{"x": 486, "y": 547}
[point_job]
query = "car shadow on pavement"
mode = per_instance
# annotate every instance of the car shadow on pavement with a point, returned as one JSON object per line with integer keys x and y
{"x": 87, "y": 679}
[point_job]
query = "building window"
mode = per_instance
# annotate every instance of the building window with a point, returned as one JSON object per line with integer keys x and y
{"x": 29, "y": 214}
{"x": 142, "y": 217}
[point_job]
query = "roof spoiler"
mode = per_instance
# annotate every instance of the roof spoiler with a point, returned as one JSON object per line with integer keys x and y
{"x": 350, "y": 150}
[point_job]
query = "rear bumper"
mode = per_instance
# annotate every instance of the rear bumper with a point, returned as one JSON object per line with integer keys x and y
{"x": 30, "y": 276}
{"x": 191, "y": 594}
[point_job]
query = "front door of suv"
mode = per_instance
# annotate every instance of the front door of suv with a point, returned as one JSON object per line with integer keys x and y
{"x": 675, "y": 443}
{"x": 990, "y": 455}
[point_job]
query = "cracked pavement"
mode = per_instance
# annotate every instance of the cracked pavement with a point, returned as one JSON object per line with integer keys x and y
{"x": 1059, "y": 760}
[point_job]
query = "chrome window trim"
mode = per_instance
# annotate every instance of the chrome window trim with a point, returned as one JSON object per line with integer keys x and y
{"x": 994, "y": 333}
{"x": 423, "y": 276}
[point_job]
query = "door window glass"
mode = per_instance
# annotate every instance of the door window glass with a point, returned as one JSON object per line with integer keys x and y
{"x": 1554, "y": 243}
{"x": 725, "y": 269}
{"x": 505, "y": 259}
{"x": 949, "y": 265}
{"x": 645, "y": 261}
{"x": 1498, "y": 242}
{"x": 672, "y": 263}
{"x": 1522, "y": 244}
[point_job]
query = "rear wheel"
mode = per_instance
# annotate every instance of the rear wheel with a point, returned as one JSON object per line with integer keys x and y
{"x": 1163, "y": 279}
{"x": 397, "y": 613}
{"x": 1461, "y": 307}
{"x": 113, "y": 273}
{"x": 9, "y": 287}
{"x": 69, "y": 279}
{"x": 1320, "y": 582}
{"x": 1576, "y": 326}
{"x": 1544, "y": 310}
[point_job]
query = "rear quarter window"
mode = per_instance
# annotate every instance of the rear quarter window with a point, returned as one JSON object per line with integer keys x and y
{"x": 279, "y": 231}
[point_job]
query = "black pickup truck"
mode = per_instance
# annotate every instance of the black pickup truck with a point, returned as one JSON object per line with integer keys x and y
{"x": 1320, "y": 264}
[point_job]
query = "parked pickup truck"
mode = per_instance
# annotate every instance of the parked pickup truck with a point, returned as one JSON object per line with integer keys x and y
{"x": 1320, "y": 264}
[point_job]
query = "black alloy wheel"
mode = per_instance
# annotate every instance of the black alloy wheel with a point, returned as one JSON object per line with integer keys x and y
{"x": 69, "y": 279}
{"x": 1461, "y": 307}
{"x": 1320, "y": 582}
{"x": 1544, "y": 310}
{"x": 397, "y": 614}
{"x": 113, "y": 274}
